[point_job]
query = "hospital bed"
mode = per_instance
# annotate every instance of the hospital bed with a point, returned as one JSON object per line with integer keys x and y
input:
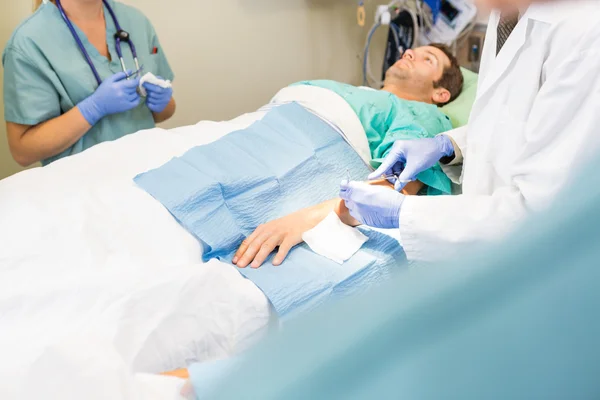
{"x": 95, "y": 275}
{"x": 98, "y": 279}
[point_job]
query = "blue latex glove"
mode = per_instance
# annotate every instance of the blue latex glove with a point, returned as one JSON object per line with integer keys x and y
{"x": 408, "y": 158}
{"x": 115, "y": 95}
{"x": 374, "y": 206}
{"x": 157, "y": 98}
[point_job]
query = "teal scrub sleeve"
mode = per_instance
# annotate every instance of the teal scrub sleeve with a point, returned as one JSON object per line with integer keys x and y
{"x": 436, "y": 180}
{"x": 29, "y": 96}
{"x": 163, "y": 68}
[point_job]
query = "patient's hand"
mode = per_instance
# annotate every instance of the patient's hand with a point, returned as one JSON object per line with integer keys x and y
{"x": 284, "y": 233}
{"x": 287, "y": 232}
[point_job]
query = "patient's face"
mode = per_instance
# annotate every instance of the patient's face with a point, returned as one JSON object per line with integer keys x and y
{"x": 417, "y": 71}
{"x": 504, "y": 5}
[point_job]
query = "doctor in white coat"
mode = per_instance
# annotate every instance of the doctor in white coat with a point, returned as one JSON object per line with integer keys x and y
{"x": 535, "y": 120}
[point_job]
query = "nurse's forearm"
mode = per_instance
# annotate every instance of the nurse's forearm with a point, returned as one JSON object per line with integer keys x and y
{"x": 30, "y": 144}
{"x": 167, "y": 113}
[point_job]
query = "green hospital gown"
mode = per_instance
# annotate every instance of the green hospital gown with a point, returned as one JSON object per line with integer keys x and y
{"x": 387, "y": 118}
{"x": 46, "y": 75}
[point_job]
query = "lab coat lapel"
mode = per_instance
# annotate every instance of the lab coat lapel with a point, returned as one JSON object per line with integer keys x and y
{"x": 498, "y": 65}
{"x": 488, "y": 57}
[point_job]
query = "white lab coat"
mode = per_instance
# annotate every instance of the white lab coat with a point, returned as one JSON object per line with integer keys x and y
{"x": 536, "y": 118}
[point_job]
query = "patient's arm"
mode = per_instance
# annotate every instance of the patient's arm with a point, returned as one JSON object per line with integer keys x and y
{"x": 287, "y": 232}
{"x": 411, "y": 189}
{"x": 284, "y": 233}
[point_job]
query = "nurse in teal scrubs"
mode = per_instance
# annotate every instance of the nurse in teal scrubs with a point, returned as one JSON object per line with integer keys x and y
{"x": 54, "y": 104}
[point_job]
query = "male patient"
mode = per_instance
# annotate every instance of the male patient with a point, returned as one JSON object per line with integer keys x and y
{"x": 406, "y": 108}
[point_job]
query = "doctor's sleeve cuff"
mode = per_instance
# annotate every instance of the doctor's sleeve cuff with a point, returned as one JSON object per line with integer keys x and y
{"x": 428, "y": 228}
{"x": 458, "y": 137}
{"x": 458, "y": 156}
{"x": 454, "y": 168}
{"x": 453, "y": 172}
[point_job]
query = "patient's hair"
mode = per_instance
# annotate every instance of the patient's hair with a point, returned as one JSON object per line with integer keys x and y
{"x": 452, "y": 80}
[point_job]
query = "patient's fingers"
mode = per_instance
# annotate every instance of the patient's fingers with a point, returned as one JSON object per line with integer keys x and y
{"x": 246, "y": 243}
{"x": 240, "y": 252}
{"x": 252, "y": 250}
{"x": 248, "y": 255}
{"x": 265, "y": 250}
{"x": 284, "y": 249}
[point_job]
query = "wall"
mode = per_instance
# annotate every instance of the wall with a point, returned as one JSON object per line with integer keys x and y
{"x": 231, "y": 56}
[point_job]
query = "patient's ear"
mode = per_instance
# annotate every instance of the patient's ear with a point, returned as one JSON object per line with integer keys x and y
{"x": 441, "y": 96}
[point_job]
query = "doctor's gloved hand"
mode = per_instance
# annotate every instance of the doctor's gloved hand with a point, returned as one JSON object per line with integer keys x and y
{"x": 409, "y": 158}
{"x": 374, "y": 206}
{"x": 115, "y": 95}
{"x": 158, "y": 98}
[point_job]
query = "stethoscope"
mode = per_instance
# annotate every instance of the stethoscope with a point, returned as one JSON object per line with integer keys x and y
{"x": 120, "y": 36}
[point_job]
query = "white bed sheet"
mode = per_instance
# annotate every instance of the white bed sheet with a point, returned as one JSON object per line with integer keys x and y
{"x": 90, "y": 261}
{"x": 98, "y": 282}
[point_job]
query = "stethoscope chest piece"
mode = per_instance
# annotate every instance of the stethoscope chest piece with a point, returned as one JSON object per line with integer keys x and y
{"x": 120, "y": 36}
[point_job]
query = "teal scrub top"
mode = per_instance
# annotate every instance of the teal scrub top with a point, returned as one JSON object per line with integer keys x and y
{"x": 46, "y": 75}
{"x": 387, "y": 118}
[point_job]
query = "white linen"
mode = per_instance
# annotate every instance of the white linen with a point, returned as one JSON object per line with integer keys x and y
{"x": 87, "y": 255}
{"x": 330, "y": 107}
{"x": 97, "y": 278}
